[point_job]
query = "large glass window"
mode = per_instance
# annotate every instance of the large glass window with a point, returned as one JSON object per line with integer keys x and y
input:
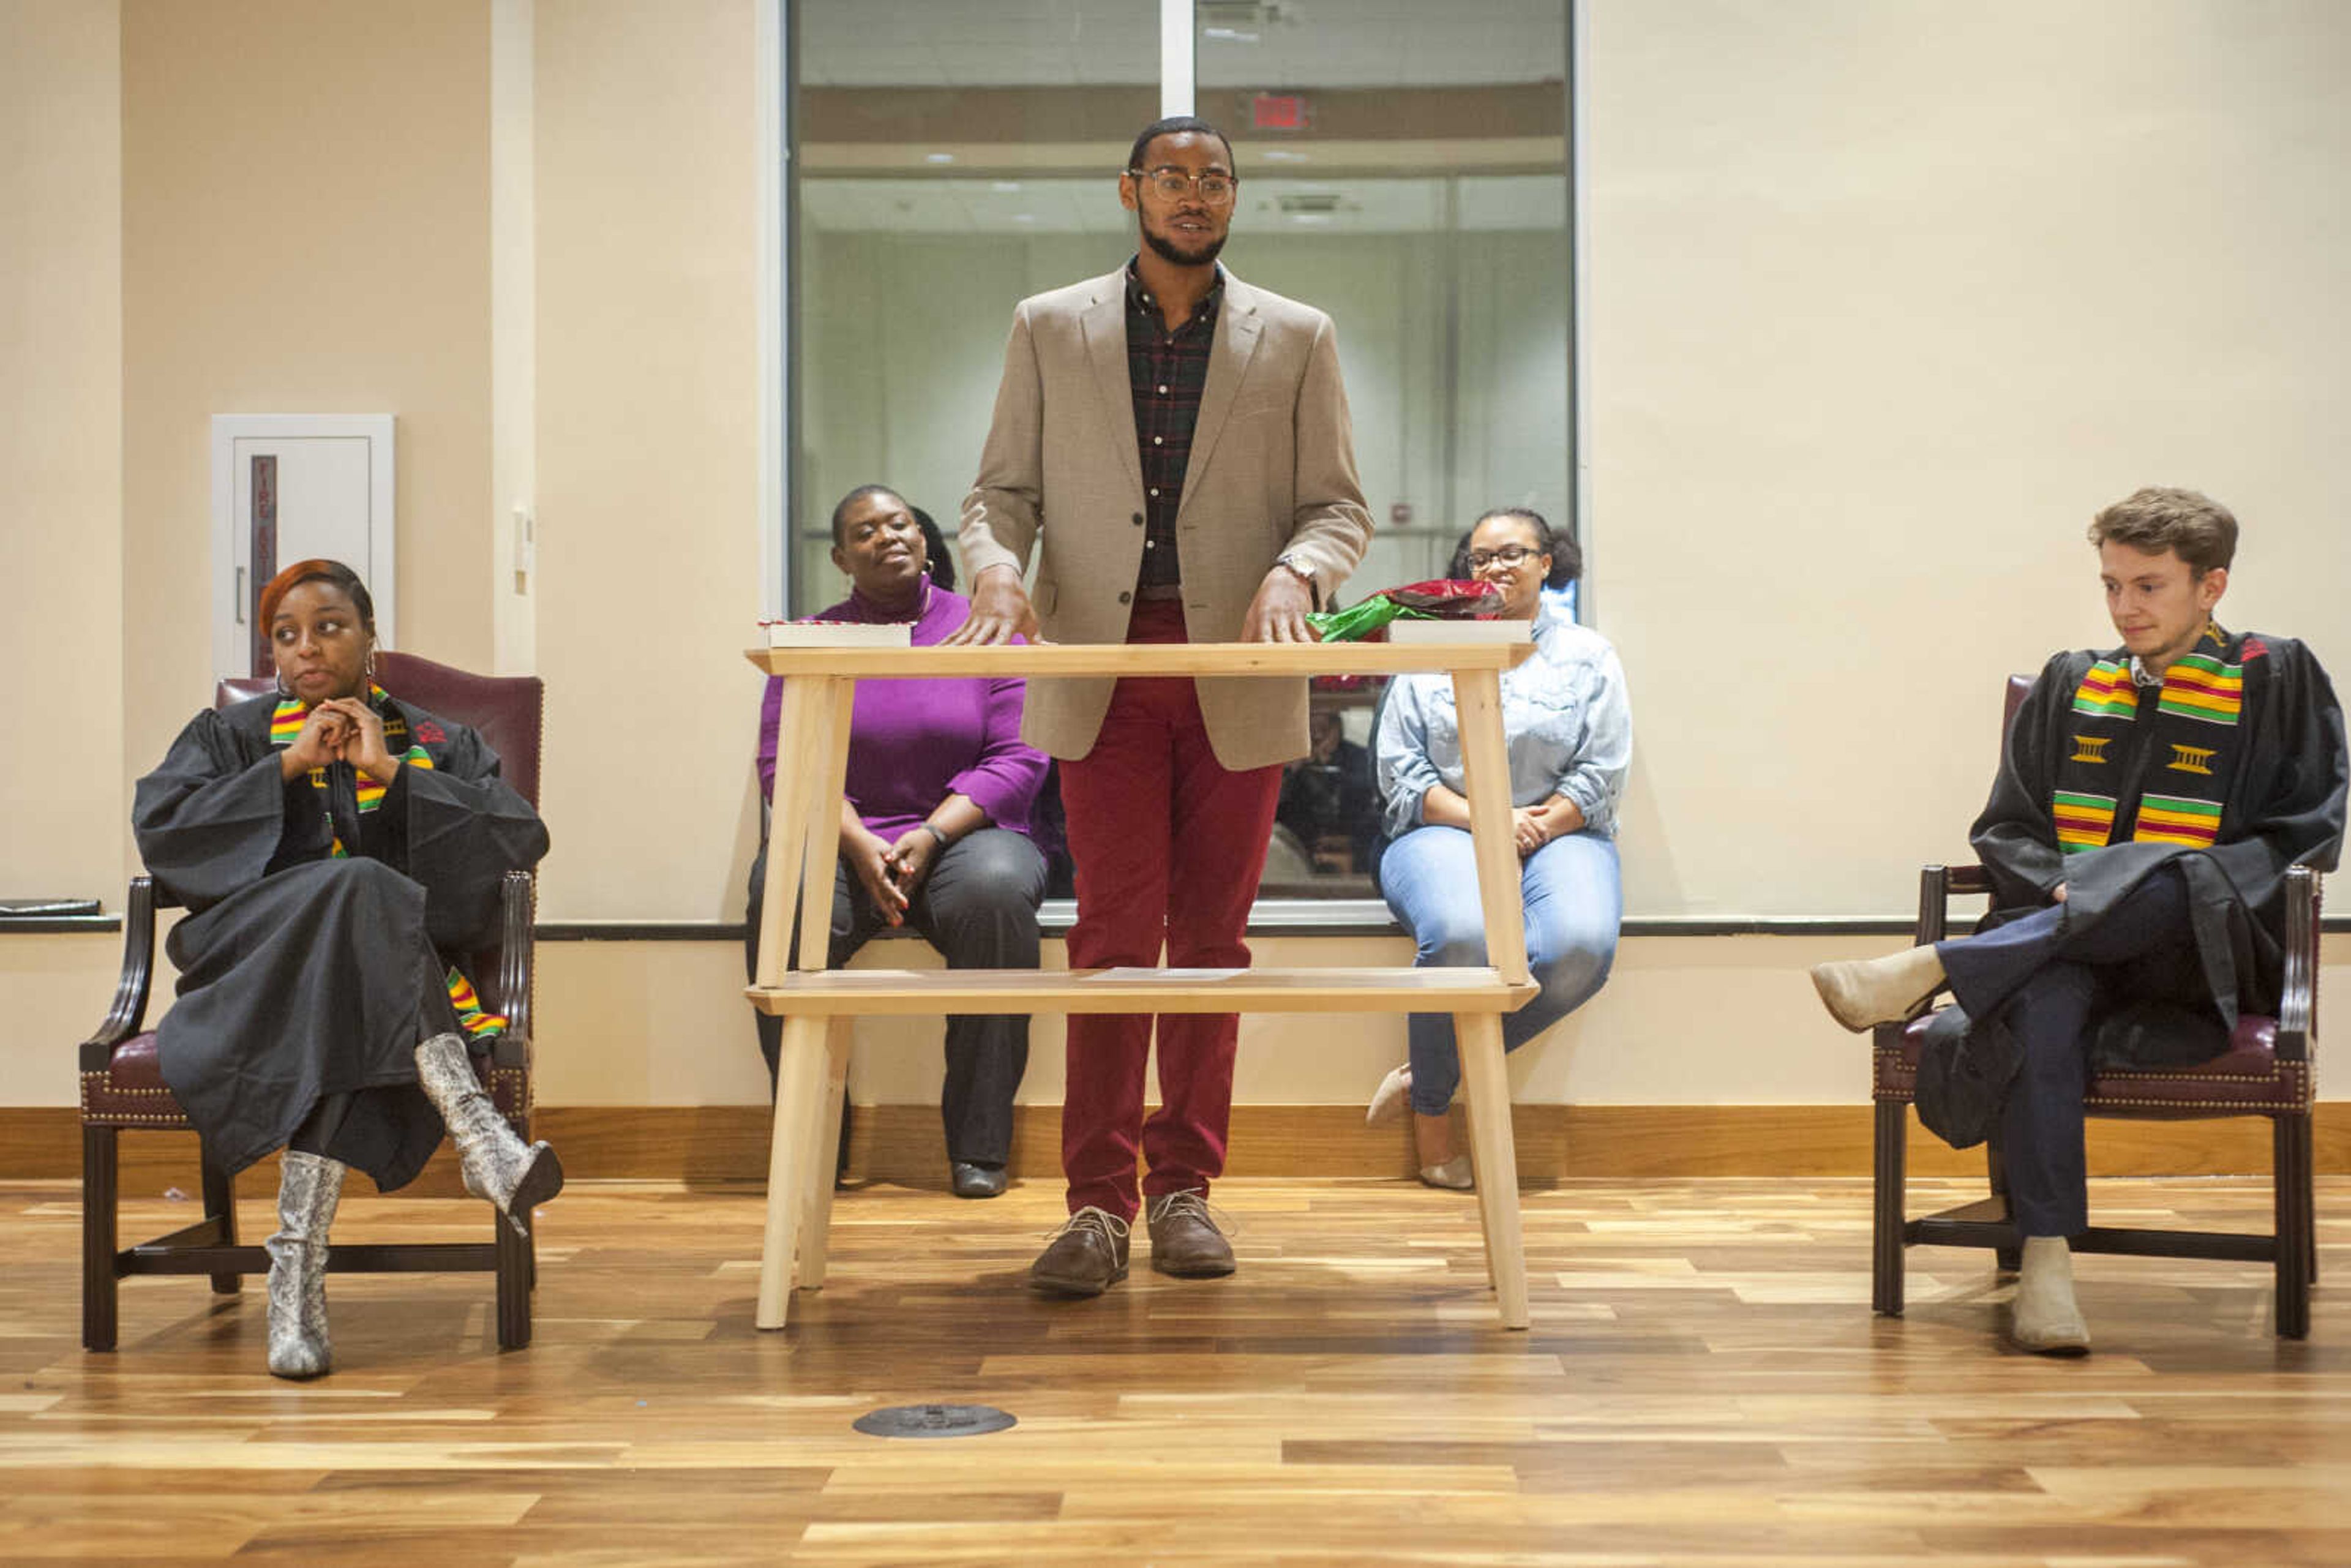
{"x": 1403, "y": 168}
{"x": 952, "y": 159}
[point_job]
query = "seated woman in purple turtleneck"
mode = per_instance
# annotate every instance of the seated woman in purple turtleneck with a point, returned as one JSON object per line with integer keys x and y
{"x": 934, "y": 828}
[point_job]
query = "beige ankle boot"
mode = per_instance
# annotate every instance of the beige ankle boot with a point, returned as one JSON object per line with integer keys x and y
{"x": 1867, "y": 991}
{"x": 2044, "y": 1318}
{"x": 1392, "y": 1099}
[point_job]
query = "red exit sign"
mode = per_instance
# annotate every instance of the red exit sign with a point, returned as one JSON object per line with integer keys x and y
{"x": 1278, "y": 112}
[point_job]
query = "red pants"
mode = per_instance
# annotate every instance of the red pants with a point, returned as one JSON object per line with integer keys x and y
{"x": 1168, "y": 847}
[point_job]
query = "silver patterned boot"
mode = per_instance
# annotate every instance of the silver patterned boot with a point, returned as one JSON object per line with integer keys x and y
{"x": 497, "y": 1165}
{"x": 308, "y": 1187}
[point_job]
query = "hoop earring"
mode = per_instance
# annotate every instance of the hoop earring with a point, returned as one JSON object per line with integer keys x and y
{"x": 280, "y": 678}
{"x": 367, "y": 672}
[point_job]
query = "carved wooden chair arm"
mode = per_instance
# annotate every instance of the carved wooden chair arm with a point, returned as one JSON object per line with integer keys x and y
{"x": 129, "y": 1013}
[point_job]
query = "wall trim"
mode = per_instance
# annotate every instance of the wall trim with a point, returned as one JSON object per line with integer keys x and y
{"x": 723, "y": 1145}
{"x": 1300, "y": 917}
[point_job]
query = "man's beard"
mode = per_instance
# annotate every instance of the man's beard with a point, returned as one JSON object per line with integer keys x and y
{"x": 1167, "y": 250}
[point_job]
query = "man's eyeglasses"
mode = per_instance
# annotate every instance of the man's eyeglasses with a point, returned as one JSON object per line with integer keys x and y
{"x": 1509, "y": 555}
{"x": 1174, "y": 185}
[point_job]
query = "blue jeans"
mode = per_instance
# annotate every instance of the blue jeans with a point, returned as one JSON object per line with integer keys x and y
{"x": 1574, "y": 902}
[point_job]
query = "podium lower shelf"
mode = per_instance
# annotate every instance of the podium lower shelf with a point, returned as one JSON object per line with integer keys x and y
{"x": 872, "y": 992}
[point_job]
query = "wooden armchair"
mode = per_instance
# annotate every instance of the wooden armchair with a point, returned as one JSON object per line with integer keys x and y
{"x": 122, "y": 1084}
{"x": 2265, "y": 1071}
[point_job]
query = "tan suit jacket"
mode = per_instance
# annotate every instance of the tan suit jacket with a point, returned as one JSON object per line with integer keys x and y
{"x": 1272, "y": 468}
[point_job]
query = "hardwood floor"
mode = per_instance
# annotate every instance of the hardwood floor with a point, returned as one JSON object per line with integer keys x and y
{"x": 1703, "y": 1386}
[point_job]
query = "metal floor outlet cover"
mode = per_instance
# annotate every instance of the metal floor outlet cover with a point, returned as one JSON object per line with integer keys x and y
{"x": 934, "y": 1421}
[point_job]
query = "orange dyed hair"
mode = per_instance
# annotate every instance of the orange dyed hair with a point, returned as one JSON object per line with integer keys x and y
{"x": 318, "y": 571}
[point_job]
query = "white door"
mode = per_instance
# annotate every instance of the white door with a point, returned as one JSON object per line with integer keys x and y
{"x": 289, "y": 488}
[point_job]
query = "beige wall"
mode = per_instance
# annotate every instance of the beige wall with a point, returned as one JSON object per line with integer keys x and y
{"x": 648, "y": 455}
{"x": 61, "y": 798}
{"x": 306, "y": 230}
{"x": 1886, "y": 301}
{"x": 1873, "y": 323}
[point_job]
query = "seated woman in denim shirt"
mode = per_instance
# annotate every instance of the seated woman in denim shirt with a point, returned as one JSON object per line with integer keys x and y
{"x": 1569, "y": 728}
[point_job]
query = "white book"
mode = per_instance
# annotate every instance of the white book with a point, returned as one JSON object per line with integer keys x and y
{"x": 1460, "y": 631}
{"x": 838, "y": 634}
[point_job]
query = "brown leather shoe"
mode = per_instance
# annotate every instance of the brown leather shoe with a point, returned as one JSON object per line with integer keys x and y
{"x": 1086, "y": 1257}
{"x": 1184, "y": 1241}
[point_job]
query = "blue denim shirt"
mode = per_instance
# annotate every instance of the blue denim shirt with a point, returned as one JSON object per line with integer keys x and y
{"x": 1565, "y": 717}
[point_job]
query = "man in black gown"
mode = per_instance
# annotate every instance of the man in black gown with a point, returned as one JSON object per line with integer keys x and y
{"x": 2137, "y": 837}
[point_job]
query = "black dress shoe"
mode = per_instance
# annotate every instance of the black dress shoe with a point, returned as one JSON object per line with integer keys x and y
{"x": 976, "y": 1181}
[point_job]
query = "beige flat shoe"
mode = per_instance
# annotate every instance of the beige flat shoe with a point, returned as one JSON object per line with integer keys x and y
{"x": 1454, "y": 1175}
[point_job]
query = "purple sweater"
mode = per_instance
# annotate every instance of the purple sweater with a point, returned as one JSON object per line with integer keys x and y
{"x": 912, "y": 743}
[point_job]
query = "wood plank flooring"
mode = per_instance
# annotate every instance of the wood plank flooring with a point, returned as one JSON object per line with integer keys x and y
{"x": 1704, "y": 1386}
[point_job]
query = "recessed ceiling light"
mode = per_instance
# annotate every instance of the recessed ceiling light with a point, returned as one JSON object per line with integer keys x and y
{"x": 1309, "y": 217}
{"x": 938, "y": 157}
{"x": 1024, "y": 217}
{"x": 1281, "y": 155}
{"x": 1227, "y": 35}
{"x": 1006, "y": 186}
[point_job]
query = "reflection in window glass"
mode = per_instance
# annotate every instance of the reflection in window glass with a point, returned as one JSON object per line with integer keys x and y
{"x": 953, "y": 159}
{"x": 1404, "y": 169}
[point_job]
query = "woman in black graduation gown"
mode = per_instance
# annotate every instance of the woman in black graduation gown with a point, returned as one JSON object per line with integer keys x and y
{"x": 334, "y": 845}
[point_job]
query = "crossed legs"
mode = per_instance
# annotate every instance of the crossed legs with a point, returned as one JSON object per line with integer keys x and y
{"x": 2045, "y": 977}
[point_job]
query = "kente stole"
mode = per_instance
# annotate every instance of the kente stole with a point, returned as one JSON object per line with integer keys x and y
{"x": 2164, "y": 757}
{"x": 285, "y": 725}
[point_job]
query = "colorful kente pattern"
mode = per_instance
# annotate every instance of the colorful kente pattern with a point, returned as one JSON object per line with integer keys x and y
{"x": 2203, "y": 689}
{"x": 2083, "y": 822}
{"x": 2107, "y": 689}
{"x": 480, "y": 1025}
{"x": 2197, "y": 686}
{"x": 372, "y": 792}
{"x": 2175, "y": 820}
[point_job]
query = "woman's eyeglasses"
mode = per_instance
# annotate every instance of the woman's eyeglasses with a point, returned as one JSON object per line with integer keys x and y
{"x": 1174, "y": 185}
{"x": 1509, "y": 555}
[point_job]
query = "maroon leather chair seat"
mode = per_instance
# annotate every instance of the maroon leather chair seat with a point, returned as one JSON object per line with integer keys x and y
{"x": 2248, "y": 1079}
{"x": 128, "y": 1091}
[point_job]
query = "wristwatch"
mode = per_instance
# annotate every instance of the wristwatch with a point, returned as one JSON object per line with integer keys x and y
{"x": 1304, "y": 574}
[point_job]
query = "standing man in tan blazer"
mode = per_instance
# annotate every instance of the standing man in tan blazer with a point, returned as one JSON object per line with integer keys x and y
{"x": 1174, "y": 447}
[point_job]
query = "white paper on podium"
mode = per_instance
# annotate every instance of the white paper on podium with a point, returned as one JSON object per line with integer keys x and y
{"x": 1175, "y": 976}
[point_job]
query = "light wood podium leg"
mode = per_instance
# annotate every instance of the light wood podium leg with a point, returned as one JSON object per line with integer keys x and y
{"x": 1494, "y": 1153}
{"x": 824, "y": 1149}
{"x": 799, "y": 1085}
{"x": 812, "y": 752}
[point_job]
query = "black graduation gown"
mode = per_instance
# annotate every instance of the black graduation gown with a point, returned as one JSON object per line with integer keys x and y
{"x": 306, "y": 978}
{"x": 2285, "y": 807}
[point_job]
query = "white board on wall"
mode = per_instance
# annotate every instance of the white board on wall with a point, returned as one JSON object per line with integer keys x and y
{"x": 288, "y": 486}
